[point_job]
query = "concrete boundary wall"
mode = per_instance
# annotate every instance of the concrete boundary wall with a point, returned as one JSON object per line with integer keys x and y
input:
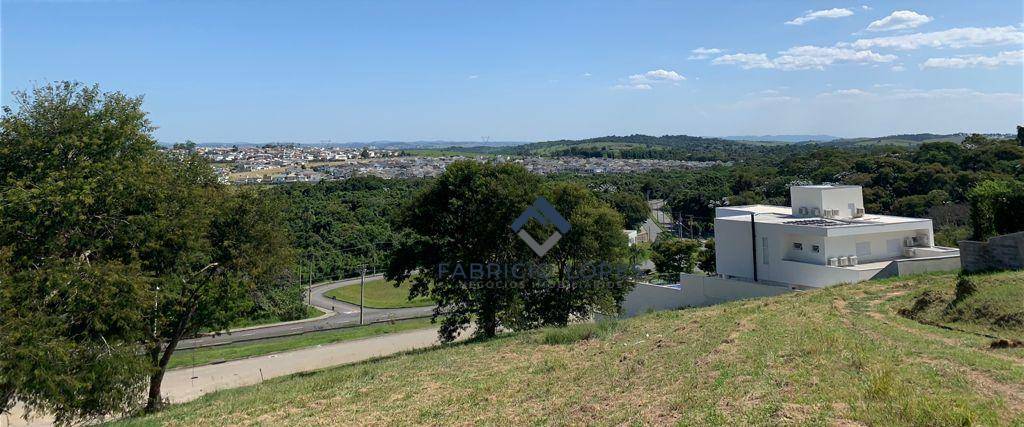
{"x": 1005, "y": 252}
{"x": 694, "y": 291}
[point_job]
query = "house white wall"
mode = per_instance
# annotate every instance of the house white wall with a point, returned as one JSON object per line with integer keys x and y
{"x": 732, "y": 248}
{"x": 847, "y": 199}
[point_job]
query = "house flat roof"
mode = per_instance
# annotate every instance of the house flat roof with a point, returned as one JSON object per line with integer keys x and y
{"x": 782, "y": 215}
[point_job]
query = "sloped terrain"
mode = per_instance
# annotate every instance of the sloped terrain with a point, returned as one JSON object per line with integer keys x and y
{"x": 839, "y": 356}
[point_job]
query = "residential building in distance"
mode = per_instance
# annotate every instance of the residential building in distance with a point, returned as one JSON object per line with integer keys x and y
{"x": 825, "y": 238}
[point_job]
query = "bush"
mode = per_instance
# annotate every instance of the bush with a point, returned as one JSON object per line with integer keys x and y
{"x": 996, "y": 208}
{"x": 965, "y": 287}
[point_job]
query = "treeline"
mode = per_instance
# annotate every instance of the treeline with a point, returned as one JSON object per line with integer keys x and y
{"x": 932, "y": 181}
{"x": 338, "y": 227}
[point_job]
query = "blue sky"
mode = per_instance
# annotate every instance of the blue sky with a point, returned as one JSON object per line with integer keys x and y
{"x": 226, "y": 71}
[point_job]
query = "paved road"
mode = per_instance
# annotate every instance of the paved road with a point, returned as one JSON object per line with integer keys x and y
{"x": 183, "y": 385}
{"x": 345, "y": 315}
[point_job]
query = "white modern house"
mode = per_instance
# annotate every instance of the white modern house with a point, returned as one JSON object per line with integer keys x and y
{"x": 825, "y": 238}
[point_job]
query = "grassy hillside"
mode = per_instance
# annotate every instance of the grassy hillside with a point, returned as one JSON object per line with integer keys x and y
{"x": 380, "y": 293}
{"x": 839, "y": 356}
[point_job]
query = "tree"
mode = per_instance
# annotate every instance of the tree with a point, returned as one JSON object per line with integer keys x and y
{"x": 632, "y": 207}
{"x": 72, "y": 160}
{"x": 136, "y": 250}
{"x": 707, "y": 262}
{"x": 464, "y": 219}
{"x": 996, "y": 207}
{"x": 674, "y": 256}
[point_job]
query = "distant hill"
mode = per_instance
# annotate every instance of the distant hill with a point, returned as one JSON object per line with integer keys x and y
{"x": 903, "y": 140}
{"x": 782, "y": 138}
{"x": 675, "y": 147}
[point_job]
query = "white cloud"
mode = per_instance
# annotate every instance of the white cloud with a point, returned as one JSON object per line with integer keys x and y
{"x": 704, "y": 53}
{"x": 815, "y": 57}
{"x": 587, "y": 74}
{"x": 846, "y": 93}
{"x": 898, "y": 68}
{"x": 745, "y": 60}
{"x": 473, "y": 77}
{"x": 655, "y": 76}
{"x": 1013, "y": 57}
{"x": 803, "y": 58}
{"x": 899, "y": 20}
{"x": 954, "y": 38}
{"x": 640, "y": 86}
{"x": 865, "y": 7}
{"x": 646, "y": 81}
{"x": 820, "y": 14}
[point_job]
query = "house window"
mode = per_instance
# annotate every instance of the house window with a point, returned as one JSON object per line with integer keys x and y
{"x": 815, "y": 248}
{"x": 798, "y": 246}
{"x": 863, "y": 249}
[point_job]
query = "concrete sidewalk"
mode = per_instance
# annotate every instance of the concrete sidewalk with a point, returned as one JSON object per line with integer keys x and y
{"x": 182, "y": 385}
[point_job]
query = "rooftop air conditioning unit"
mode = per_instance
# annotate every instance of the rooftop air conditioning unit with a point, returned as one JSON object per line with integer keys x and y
{"x": 909, "y": 252}
{"x": 910, "y": 241}
{"x": 858, "y": 213}
{"x": 816, "y": 212}
{"x": 853, "y": 259}
{"x": 803, "y": 211}
{"x": 844, "y": 261}
{"x": 834, "y": 262}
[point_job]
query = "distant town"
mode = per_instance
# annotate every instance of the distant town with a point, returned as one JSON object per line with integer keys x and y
{"x": 284, "y": 163}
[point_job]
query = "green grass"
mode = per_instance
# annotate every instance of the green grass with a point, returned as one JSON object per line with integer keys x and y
{"x": 994, "y": 308}
{"x": 380, "y": 294}
{"x": 836, "y": 356}
{"x": 203, "y": 356}
{"x": 577, "y": 332}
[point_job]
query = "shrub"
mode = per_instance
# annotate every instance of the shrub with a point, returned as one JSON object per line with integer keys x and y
{"x": 965, "y": 287}
{"x": 996, "y": 208}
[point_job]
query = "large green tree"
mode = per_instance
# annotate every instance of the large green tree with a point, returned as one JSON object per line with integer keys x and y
{"x": 674, "y": 256}
{"x": 112, "y": 251}
{"x": 465, "y": 217}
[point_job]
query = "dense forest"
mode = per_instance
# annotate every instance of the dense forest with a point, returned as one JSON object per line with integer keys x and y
{"x": 338, "y": 226}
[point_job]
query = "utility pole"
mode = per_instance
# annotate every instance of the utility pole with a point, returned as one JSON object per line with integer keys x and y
{"x": 362, "y": 280}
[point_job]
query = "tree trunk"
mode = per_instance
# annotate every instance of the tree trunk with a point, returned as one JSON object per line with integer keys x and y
{"x": 153, "y": 399}
{"x": 154, "y": 402}
{"x": 488, "y": 322}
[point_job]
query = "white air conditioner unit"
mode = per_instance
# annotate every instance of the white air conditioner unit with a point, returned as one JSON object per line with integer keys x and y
{"x": 853, "y": 259}
{"x": 803, "y": 211}
{"x": 844, "y": 261}
{"x": 816, "y": 212}
{"x": 909, "y": 252}
{"x": 910, "y": 241}
{"x": 922, "y": 239}
{"x": 834, "y": 262}
{"x": 858, "y": 213}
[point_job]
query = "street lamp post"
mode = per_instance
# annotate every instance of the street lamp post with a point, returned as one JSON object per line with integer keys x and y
{"x": 362, "y": 279}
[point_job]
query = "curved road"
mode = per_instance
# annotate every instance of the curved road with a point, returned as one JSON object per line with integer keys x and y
{"x": 345, "y": 314}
